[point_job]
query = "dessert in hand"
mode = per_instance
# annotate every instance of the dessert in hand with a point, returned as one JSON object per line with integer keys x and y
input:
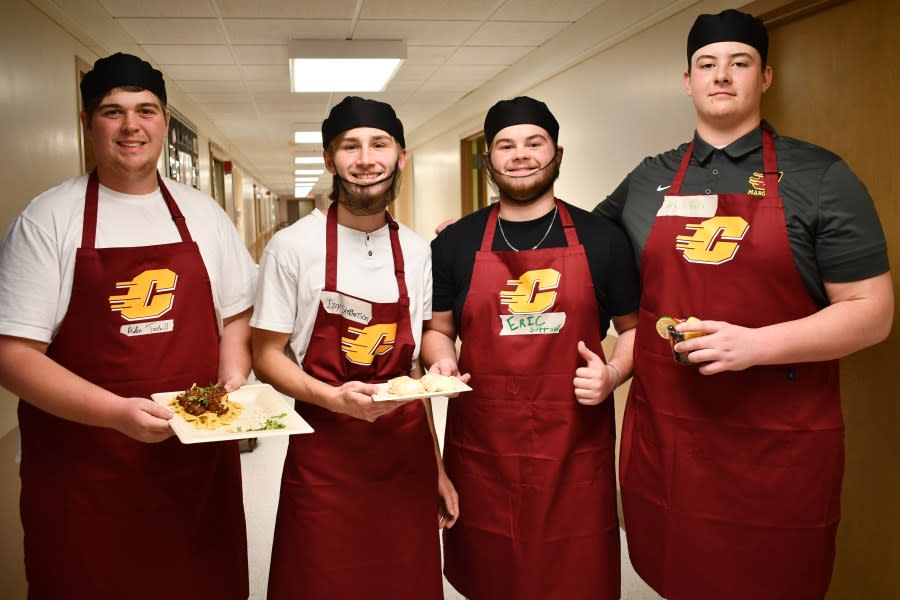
{"x": 435, "y": 382}
{"x": 665, "y": 327}
{"x": 431, "y": 383}
{"x": 404, "y": 386}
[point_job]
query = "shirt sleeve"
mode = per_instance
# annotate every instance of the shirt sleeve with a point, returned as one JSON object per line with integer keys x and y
{"x": 623, "y": 284}
{"x": 30, "y": 280}
{"x": 443, "y": 289}
{"x": 614, "y": 204}
{"x": 276, "y": 303}
{"x": 849, "y": 241}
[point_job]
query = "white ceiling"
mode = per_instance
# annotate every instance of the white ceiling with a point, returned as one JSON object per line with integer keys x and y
{"x": 230, "y": 56}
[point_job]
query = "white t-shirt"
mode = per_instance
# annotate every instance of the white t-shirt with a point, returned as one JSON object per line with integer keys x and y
{"x": 37, "y": 256}
{"x": 292, "y": 275}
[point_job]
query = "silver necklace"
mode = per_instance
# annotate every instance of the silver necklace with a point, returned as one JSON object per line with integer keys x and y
{"x": 541, "y": 241}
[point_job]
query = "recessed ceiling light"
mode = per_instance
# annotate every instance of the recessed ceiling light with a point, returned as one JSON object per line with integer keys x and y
{"x": 344, "y": 65}
{"x": 307, "y": 137}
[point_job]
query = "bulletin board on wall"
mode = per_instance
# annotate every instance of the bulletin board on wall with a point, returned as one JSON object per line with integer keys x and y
{"x": 183, "y": 151}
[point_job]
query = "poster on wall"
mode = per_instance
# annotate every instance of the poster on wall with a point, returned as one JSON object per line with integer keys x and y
{"x": 183, "y": 152}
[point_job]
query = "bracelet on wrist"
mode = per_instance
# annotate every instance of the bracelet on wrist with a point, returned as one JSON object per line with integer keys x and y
{"x": 618, "y": 376}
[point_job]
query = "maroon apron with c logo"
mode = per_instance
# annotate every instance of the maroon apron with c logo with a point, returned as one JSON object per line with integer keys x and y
{"x": 357, "y": 515}
{"x": 105, "y": 516}
{"x": 534, "y": 469}
{"x": 730, "y": 482}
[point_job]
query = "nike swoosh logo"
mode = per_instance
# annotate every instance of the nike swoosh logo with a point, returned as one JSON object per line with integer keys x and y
{"x": 660, "y": 188}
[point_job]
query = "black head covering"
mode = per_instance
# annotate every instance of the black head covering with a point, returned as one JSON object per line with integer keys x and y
{"x": 519, "y": 111}
{"x": 353, "y": 111}
{"x": 120, "y": 70}
{"x": 728, "y": 26}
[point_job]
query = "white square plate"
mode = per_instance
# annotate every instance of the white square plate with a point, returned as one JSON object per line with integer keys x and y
{"x": 260, "y": 401}
{"x": 383, "y": 395}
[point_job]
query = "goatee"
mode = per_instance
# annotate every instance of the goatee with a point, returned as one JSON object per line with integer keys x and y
{"x": 370, "y": 199}
{"x": 524, "y": 190}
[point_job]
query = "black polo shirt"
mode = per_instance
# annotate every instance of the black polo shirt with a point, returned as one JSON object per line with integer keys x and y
{"x": 606, "y": 246}
{"x": 832, "y": 226}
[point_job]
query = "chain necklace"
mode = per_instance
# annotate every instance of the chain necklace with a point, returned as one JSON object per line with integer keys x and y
{"x": 541, "y": 241}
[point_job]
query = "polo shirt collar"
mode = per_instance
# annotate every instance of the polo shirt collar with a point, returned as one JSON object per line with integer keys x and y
{"x": 744, "y": 145}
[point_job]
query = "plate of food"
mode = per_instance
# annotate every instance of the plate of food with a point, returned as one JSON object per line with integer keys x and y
{"x": 209, "y": 414}
{"x": 429, "y": 386}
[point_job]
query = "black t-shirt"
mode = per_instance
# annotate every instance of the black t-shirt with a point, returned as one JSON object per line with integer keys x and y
{"x": 832, "y": 226}
{"x": 606, "y": 246}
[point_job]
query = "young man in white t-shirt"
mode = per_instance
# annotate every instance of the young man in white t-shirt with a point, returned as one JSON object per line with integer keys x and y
{"x": 113, "y": 286}
{"x": 347, "y": 293}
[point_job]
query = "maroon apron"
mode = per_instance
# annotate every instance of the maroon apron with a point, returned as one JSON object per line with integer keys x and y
{"x": 105, "y": 516}
{"x": 357, "y": 515}
{"x": 730, "y": 482}
{"x": 534, "y": 469}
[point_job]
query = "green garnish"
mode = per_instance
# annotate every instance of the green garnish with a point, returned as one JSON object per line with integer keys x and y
{"x": 270, "y": 423}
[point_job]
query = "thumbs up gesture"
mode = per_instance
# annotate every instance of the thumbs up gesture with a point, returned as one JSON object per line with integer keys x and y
{"x": 595, "y": 381}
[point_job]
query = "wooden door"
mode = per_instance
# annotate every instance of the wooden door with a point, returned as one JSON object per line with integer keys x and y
{"x": 837, "y": 84}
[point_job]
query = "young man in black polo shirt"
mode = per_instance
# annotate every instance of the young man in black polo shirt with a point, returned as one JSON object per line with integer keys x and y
{"x": 731, "y": 469}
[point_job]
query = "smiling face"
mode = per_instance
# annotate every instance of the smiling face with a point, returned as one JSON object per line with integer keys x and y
{"x": 726, "y": 83}
{"x": 128, "y": 130}
{"x": 367, "y": 161}
{"x": 524, "y": 162}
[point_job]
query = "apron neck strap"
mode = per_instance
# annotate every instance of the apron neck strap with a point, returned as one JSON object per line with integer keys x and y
{"x": 770, "y": 163}
{"x": 488, "y": 240}
{"x": 675, "y": 188}
{"x": 399, "y": 266}
{"x": 92, "y": 200}
{"x": 568, "y": 226}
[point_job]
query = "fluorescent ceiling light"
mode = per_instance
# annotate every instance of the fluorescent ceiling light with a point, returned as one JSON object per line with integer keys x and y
{"x": 343, "y": 65}
{"x": 308, "y": 160}
{"x": 308, "y": 171}
{"x": 301, "y": 191}
{"x": 305, "y": 179}
{"x": 307, "y": 137}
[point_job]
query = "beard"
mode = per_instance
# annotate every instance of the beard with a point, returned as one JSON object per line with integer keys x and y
{"x": 368, "y": 199}
{"x": 524, "y": 190}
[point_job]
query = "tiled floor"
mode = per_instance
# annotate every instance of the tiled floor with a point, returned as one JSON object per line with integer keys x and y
{"x": 262, "y": 474}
